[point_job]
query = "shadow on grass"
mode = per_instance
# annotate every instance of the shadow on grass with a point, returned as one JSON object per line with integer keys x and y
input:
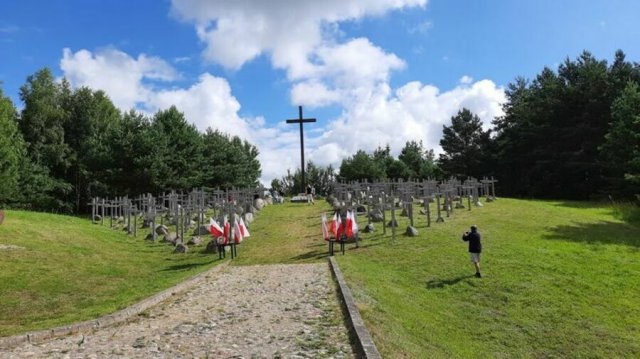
{"x": 597, "y": 233}
{"x": 186, "y": 266}
{"x": 315, "y": 254}
{"x": 441, "y": 283}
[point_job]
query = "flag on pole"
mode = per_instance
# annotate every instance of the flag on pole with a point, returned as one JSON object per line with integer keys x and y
{"x": 340, "y": 228}
{"x": 335, "y": 223}
{"x": 325, "y": 227}
{"x": 237, "y": 231}
{"x": 214, "y": 228}
{"x": 349, "y": 225}
{"x": 244, "y": 229}
{"x": 227, "y": 229}
{"x": 354, "y": 222}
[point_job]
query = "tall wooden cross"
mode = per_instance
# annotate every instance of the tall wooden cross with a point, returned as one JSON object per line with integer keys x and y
{"x": 300, "y": 121}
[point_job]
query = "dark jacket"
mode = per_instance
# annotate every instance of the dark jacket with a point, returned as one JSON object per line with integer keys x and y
{"x": 474, "y": 241}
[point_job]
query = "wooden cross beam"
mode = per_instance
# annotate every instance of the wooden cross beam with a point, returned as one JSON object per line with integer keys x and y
{"x": 300, "y": 121}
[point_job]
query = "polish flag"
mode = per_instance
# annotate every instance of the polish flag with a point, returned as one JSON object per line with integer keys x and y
{"x": 237, "y": 231}
{"x": 337, "y": 227}
{"x": 354, "y": 223}
{"x": 349, "y": 226}
{"x": 227, "y": 229}
{"x": 214, "y": 228}
{"x": 333, "y": 227}
{"x": 325, "y": 229}
{"x": 243, "y": 228}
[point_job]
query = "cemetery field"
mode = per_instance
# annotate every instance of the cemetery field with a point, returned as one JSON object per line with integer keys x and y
{"x": 55, "y": 270}
{"x": 560, "y": 279}
{"x": 285, "y": 233}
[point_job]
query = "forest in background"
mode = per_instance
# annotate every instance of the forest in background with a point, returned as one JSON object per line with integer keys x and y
{"x": 66, "y": 146}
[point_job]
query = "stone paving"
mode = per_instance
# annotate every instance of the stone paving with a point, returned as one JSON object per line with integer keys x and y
{"x": 274, "y": 311}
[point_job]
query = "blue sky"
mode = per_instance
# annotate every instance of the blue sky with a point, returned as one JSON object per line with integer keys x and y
{"x": 373, "y": 72}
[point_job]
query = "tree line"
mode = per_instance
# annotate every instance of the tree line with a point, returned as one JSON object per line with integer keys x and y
{"x": 68, "y": 145}
{"x": 572, "y": 133}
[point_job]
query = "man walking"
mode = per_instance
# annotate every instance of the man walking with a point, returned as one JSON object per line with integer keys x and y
{"x": 475, "y": 247}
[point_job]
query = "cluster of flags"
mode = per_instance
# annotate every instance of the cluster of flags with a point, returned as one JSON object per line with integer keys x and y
{"x": 337, "y": 227}
{"x": 227, "y": 231}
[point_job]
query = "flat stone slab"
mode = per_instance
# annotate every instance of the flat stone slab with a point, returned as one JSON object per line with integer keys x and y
{"x": 288, "y": 311}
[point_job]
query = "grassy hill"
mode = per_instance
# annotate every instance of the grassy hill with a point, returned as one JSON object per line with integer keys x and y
{"x": 561, "y": 279}
{"x": 56, "y": 270}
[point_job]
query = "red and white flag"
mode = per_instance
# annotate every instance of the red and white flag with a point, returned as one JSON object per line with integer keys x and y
{"x": 349, "y": 226}
{"x": 227, "y": 229}
{"x": 325, "y": 227}
{"x": 352, "y": 224}
{"x": 244, "y": 229}
{"x": 214, "y": 228}
{"x": 336, "y": 227}
{"x": 237, "y": 231}
{"x": 333, "y": 227}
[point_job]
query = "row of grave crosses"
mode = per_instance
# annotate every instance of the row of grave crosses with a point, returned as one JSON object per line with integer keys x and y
{"x": 181, "y": 209}
{"x": 376, "y": 198}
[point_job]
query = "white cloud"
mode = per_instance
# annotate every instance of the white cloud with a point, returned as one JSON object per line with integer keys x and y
{"x": 323, "y": 66}
{"x": 313, "y": 94}
{"x": 375, "y": 114}
{"x": 206, "y": 103}
{"x": 356, "y": 63}
{"x": 414, "y": 111}
{"x": 465, "y": 80}
{"x": 117, "y": 73}
{"x": 289, "y": 31}
{"x": 343, "y": 71}
{"x": 131, "y": 83}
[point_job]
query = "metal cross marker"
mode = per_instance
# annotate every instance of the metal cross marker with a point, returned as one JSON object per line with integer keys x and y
{"x": 300, "y": 121}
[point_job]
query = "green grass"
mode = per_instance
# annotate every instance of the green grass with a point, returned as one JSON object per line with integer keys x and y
{"x": 55, "y": 270}
{"x": 560, "y": 279}
{"x": 628, "y": 212}
{"x": 285, "y": 233}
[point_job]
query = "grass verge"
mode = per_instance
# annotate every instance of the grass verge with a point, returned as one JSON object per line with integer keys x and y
{"x": 561, "y": 279}
{"x": 56, "y": 270}
{"x": 285, "y": 233}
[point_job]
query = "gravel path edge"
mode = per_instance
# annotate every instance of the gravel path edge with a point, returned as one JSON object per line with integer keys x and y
{"x": 364, "y": 343}
{"x": 108, "y": 320}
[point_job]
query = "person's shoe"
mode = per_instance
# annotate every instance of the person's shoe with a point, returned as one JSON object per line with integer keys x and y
{"x": 478, "y": 275}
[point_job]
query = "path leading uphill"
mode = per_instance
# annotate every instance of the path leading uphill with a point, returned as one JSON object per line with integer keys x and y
{"x": 262, "y": 311}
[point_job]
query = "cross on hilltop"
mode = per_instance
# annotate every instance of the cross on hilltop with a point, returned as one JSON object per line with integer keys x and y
{"x": 300, "y": 121}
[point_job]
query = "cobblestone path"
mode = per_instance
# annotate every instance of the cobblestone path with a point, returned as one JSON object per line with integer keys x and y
{"x": 269, "y": 311}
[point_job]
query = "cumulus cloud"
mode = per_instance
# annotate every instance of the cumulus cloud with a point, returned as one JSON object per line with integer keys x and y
{"x": 465, "y": 80}
{"x": 117, "y": 73}
{"x": 289, "y": 31}
{"x": 343, "y": 71}
{"x": 414, "y": 111}
{"x": 207, "y": 103}
{"x": 133, "y": 83}
{"x": 314, "y": 94}
{"x": 323, "y": 66}
{"x": 374, "y": 116}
